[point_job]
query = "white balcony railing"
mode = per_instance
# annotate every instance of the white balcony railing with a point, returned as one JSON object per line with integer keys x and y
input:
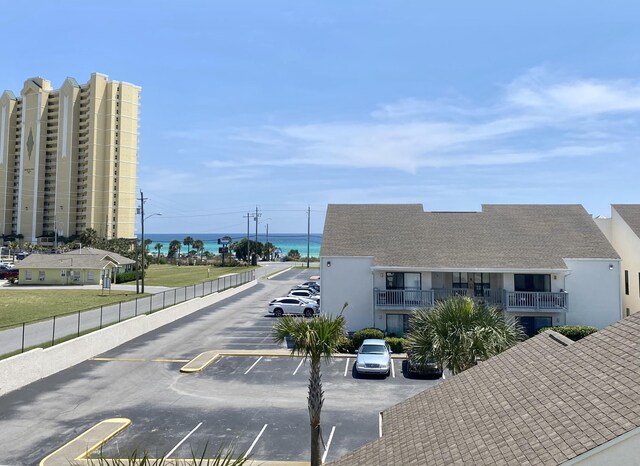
{"x": 509, "y": 300}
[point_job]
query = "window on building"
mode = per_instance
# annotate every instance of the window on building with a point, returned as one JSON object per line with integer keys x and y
{"x": 90, "y": 275}
{"x": 626, "y": 282}
{"x": 397, "y": 324}
{"x": 460, "y": 280}
{"x": 403, "y": 281}
{"x": 27, "y": 275}
{"x": 532, "y": 282}
{"x": 41, "y": 275}
{"x": 532, "y": 325}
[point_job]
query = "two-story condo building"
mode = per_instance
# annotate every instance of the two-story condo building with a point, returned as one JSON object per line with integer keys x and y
{"x": 545, "y": 264}
{"x": 622, "y": 229}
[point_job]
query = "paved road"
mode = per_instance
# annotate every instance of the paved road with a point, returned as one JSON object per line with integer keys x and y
{"x": 231, "y": 401}
{"x": 14, "y": 339}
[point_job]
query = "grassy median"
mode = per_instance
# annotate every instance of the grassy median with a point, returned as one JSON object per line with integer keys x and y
{"x": 184, "y": 275}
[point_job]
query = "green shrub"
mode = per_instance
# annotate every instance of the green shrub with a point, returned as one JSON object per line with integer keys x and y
{"x": 126, "y": 277}
{"x": 574, "y": 332}
{"x": 358, "y": 337}
{"x": 345, "y": 345}
{"x": 396, "y": 344}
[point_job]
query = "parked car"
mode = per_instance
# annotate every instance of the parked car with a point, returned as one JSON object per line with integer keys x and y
{"x": 374, "y": 357}
{"x": 293, "y": 305}
{"x": 309, "y": 294}
{"x": 307, "y": 287}
{"x": 8, "y": 272}
{"x": 311, "y": 284}
{"x": 430, "y": 368}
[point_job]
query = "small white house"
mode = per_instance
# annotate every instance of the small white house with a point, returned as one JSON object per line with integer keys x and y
{"x": 545, "y": 264}
{"x": 623, "y": 231}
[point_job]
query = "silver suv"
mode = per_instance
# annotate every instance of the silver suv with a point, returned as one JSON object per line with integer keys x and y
{"x": 293, "y": 305}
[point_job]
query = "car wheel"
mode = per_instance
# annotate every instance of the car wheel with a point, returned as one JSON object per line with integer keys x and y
{"x": 308, "y": 312}
{"x": 278, "y": 312}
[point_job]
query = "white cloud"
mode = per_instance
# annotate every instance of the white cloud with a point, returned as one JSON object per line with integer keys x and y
{"x": 537, "y": 117}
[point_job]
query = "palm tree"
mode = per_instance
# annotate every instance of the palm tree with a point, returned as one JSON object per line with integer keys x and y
{"x": 316, "y": 339}
{"x": 174, "y": 249}
{"x": 458, "y": 332}
{"x": 188, "y": 241}
{"x": 158, "y": 247}
{"x": 198, "y": 245}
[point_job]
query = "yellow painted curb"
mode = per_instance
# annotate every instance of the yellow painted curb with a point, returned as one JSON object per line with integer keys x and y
{"x": 275, "y": 274}
{"x": 78, "y": 452}
{"x": 196, "y": 366}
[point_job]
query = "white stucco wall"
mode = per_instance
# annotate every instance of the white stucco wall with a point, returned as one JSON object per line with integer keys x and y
{"x": 350, "y": 280}
{"x": 627, "y": 245}
{"x": 594, "y": 292}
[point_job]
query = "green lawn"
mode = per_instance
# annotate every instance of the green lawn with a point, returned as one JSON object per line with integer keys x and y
{"x": 173, "y": 276}
{"x": 27, "y": 305}
{"x": 24, "y": 305}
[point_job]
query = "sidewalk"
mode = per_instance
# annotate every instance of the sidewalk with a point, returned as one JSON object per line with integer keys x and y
{"x": 5, "y": 285}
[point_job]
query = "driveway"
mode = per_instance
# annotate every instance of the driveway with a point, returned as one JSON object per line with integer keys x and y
{"x": 251, "y": 401}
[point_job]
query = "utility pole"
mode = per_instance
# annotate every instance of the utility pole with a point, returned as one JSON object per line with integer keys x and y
{"x": 248, "y": 216}
{"x": 142, "y": 199}
{"x": 255, "y": 217}
{"x": 308, "y": 233}
{"x": 267, "y": 245}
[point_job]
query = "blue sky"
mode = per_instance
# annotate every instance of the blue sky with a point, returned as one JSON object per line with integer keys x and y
{"x": 289, "y": 104}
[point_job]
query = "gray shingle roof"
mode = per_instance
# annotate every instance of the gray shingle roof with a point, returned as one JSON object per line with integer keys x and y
{"x": 498, "y": 237}
{"x": 85, "y": 258}
{"x": 630, "y": 213}
{"x": 538, "y": 403}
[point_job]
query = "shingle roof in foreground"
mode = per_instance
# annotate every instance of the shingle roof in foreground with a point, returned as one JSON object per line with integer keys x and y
{"x": 499, "y": 237}
{"x": 539, "y": 403}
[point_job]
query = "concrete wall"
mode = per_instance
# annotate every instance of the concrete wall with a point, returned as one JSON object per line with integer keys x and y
{"x": 594, "y": 292}
{"x": 25, "y": 368}
{"x": 348, "y": 279}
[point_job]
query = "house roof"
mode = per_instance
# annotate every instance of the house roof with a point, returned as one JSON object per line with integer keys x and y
{"x": 540, "y": 402}
{"x": 630, "y": 213}
{"x": 85, "y": 258}
{"x": 500, "y": 236}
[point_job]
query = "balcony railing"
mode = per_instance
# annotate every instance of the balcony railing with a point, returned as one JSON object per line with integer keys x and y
{"x": 535, "y": 300}
{"x": 513, "y": 301}
{"x": 402, "y": 299}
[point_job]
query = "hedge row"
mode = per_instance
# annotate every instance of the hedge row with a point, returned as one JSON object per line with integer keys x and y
{"x": 574, "y": 332}
{"x": 125, "y": 277}
{"x": 351, "y": 344}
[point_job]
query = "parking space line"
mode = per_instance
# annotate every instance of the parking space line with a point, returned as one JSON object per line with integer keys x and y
{"x": 253, "y": 365}
{"x": 346, "y": 367}
{"x": 393, "y": 370}
{"x": 297, "y": 368}
{"x": 326, "y": 450}
{"x": 182, "y": 441}
{"x": 255, "y": 441}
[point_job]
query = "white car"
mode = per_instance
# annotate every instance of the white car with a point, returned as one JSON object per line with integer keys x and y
{"x": 309, "y": 294}
{"x": 293, "y": 305}
{"x": 374, "y": 357}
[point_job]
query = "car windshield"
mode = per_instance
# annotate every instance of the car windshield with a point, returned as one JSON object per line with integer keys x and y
{"x": 372, "y": 349}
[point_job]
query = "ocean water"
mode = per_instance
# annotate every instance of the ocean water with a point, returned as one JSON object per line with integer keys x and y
{"x": 284, "y": 241}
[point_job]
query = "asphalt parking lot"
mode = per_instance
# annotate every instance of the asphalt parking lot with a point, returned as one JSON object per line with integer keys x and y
{"x": 257, "y": 404}
{"x": 249, "y": 402}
